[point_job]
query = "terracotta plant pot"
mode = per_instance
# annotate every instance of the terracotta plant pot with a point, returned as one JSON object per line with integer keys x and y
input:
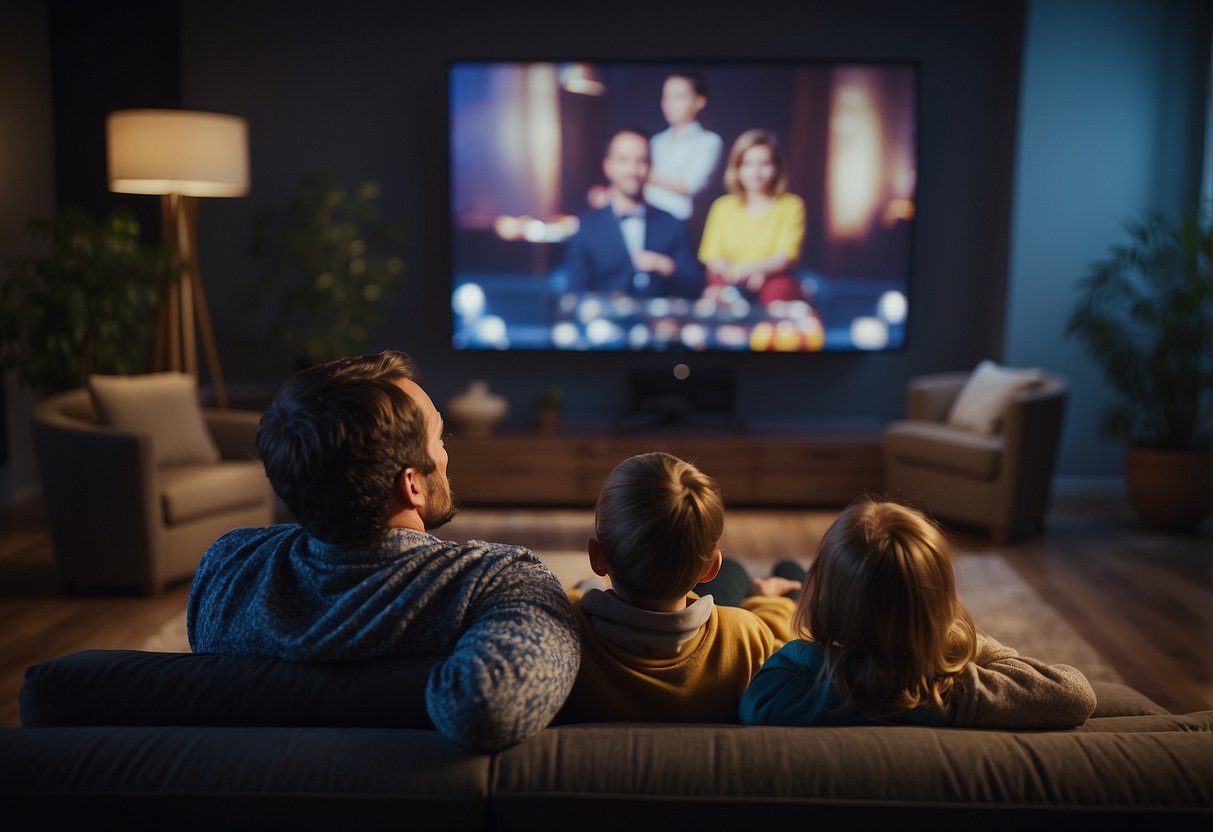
{"x": 1171, "y": 491}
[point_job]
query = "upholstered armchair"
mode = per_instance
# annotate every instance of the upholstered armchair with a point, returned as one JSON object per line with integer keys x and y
{"x": 122, "y": 516}
{"x": 996, "y": 477}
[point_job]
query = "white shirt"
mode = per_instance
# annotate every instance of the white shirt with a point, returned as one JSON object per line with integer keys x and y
{"x": 632, "y": 226}
{"x": 691, "y": 157}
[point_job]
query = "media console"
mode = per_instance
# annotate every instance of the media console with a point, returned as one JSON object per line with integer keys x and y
{"x": 808, "y": 467}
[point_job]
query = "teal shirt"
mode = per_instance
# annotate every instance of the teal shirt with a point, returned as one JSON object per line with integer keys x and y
{"x": 786, "y": 690}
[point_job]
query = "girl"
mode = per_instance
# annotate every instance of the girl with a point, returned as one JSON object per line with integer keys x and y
{"x": 752, "y": 235}
{"x": 889, "y": 640}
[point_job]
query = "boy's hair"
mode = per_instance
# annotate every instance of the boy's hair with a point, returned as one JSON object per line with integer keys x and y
{"x": 755, "y": 138}
{"x": 335, "y": 439}
{"x": 658, "y": 521}
{"x": 881, "y": 601}
{"x": 694, "y": 77}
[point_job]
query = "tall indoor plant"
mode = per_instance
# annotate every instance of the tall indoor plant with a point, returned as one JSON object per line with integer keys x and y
{"x": 87, "y": 306}
{"x": 335, "y": 260}
{"x": 1145, "y": 313}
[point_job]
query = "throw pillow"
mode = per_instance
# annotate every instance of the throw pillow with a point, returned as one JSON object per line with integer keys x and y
{"x": 984, "y": 398}
{"x": 163, "y": 405}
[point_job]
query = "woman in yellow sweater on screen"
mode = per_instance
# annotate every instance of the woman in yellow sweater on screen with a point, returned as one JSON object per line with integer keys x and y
{"x": 652, "y": 649}
{"x": 752, "y": 235}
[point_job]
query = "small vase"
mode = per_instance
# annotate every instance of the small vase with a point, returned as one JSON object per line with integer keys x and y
{"x": 476, "y": 411}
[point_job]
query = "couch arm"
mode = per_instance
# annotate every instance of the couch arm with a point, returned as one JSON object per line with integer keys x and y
{"x": 234, "y": 431}
{"x": 90, "y": 475}
{"x": 928, "y": 398}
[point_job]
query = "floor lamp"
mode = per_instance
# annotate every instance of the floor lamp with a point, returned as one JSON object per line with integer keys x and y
{"x": 180, "y": 155}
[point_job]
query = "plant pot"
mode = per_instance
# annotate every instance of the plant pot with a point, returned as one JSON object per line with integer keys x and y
{"x": 548, "y": 419}
{"x": 1171, "y": 491}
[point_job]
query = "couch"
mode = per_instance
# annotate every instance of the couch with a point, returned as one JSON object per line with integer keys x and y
{"x": 1000, "y": 480}
{"x": 120, "y": 517}
{"x": 131, "y": 740}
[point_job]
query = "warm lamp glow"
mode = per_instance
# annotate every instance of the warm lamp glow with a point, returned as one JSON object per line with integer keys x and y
{"x": 177, "y": 152}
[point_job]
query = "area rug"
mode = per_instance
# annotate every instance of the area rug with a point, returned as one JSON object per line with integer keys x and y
{"x": 1000, "y": 601}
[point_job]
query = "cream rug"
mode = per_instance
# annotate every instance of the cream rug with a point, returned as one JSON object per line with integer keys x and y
{"x": 1000, "y": 601}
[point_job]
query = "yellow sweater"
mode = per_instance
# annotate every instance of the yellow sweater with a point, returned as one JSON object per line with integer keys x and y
{"x": 699, "y": 680}
{"x": 740, "y": 237}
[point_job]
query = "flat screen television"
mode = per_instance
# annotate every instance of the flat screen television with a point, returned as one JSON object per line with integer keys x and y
{"x": 779, "y": 198}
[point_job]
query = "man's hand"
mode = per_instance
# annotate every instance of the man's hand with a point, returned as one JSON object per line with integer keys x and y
{"x": 651, "y": 261}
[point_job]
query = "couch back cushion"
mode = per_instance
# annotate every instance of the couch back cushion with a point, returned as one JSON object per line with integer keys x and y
{"x": 131, "y": 687}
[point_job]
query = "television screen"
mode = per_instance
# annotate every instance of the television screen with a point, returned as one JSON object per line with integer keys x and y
{"x": 624, "y": 205}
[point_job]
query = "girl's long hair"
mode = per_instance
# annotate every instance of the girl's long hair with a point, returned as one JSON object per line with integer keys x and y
{"x": 881, "y": 601}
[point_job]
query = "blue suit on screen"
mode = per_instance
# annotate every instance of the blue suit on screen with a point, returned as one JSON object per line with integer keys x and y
{"x": 598, "y": 261}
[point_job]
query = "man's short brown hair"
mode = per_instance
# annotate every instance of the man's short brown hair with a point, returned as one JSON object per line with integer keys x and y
{"x": 337, "y": 437}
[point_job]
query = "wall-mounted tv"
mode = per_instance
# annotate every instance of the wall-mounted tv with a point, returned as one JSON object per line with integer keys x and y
{"x": 640, "y": 206}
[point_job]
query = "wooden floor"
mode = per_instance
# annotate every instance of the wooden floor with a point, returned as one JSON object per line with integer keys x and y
{"x": 1144, "y": 600}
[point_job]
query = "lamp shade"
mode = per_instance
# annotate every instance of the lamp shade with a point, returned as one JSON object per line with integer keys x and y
{"x": 177, "y": 152}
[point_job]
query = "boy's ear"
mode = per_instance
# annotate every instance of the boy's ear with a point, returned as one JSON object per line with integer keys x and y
{"x": 408, "y": 488}
{"x": 713, "y": 567}
{"x": 597, "y": 561}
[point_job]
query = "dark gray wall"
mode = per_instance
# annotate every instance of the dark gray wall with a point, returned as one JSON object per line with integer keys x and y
{"x": 359, "y": 87}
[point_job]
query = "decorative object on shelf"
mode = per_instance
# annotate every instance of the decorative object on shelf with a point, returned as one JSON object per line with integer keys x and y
{"x": 180, "y": 155}
{"x": 476, "y": 411}
{"x": 1146, "y": 315}
{"x": 548, "y": 408}
{"x": 335, "y": 261}
{"x": 89, "y": 306}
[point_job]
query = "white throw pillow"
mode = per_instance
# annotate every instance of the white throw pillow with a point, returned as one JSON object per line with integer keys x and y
{"x": 984, "y": 398}
{"x": 164, "y": 405}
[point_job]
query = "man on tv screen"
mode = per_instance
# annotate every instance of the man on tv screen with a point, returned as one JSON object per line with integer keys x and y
{"x": 628, "y": 246}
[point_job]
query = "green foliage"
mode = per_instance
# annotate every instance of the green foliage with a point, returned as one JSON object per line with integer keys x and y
{"x": 336, "y": 262}
{"x": 87, "y": 307}
{"x": 552, "y": 398}
{"x": 1146, "y": 315}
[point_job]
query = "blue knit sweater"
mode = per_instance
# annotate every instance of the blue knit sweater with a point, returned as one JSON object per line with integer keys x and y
{"x": 495, "y": 612}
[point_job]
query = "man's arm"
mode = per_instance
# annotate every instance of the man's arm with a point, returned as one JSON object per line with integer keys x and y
{"x": 685, "y": 278}
{"x": 512, "y": 669}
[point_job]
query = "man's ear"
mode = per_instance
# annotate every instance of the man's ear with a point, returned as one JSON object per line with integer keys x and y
{"x": 713, "y": 568}
{"x": 408, "y": 488}
{"x": 597, "y": 561}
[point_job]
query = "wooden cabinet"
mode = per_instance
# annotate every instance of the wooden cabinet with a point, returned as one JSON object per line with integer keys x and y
{"x": 827, "y": 467}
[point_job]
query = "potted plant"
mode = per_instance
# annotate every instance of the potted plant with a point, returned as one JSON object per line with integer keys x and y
{"x": 89, "y": 306}
{"x": 548, "y": 408}
{"x": 336, "y": 262}
{"x": 1146, "y": 315}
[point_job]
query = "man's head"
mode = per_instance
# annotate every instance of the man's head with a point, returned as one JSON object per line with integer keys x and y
{"x": 626, "y": 163}
{"x": 340, "y": 439}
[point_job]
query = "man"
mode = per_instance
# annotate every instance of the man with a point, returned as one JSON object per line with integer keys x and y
{"x": 354, "y": 448}
{"x": 628, "y": 246}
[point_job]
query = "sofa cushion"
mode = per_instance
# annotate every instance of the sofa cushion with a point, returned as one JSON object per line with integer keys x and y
{"x": 751, "y": 772}
{"x": 131, "y": 687}
{"x": 945, "y": 448}
{"x": 221, "y": 778}
{"x": 162, "y": 405}
{"x": 188, "y": 492}
{"x": 984, "y": 398}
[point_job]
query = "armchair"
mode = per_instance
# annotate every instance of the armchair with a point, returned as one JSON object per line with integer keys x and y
{"x": 117, "y": 519}
{"x": 1001, "y": 481}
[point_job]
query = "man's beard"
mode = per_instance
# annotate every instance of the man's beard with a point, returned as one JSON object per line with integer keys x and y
{"x": 441, "y": 504}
